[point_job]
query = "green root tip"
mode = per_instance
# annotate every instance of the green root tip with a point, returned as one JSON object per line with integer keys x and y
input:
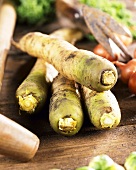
{"x": 28, "y": 103}
{"x": 67, "y": 124}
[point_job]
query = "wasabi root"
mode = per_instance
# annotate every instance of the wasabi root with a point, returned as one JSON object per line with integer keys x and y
{"x": 65, "y": 110}
{"x": 62, "y": 119}
{"x": 32, "y": 92}
{"x": 82, "y": 66}
{"x": 102, "y": 107}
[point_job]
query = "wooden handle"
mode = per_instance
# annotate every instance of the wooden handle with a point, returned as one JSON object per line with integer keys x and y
{"x": 7, "y": 24}
{"x": 16, "y": 141}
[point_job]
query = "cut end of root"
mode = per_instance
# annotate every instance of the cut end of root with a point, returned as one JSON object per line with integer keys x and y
{"x": 108, "y": 78}
{"x": 67, "y": 124}
{"x": 107, "y": 120}
{"x": 28, "y": 103}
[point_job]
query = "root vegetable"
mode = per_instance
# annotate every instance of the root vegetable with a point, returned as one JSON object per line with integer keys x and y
{"x": 32, "y": 92}
{"x": 65, "y": 111}
{"x": 128, "y": 73}
{"x": 102, "y": 107}
{"x": 7, "y": 25}
{"x": 81, "y": 66}
{"x": 99, "y": 50}
{"x": 132, "y": 83}
{"x": 62, "y": 121}
{"x": 127, "y": 69}
{"x": 118, "y": 53}
{"x": 135, "y": 53}
{"x": 68, "y": 34}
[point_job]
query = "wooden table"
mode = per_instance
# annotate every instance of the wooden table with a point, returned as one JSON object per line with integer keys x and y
{"x": 57, "y": 151}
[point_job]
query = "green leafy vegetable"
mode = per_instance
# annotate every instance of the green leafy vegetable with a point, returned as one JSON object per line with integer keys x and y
{"x": 117, "y": 10}
{"x": 130, "y": 163}
{"x": 102, "y": 162}
{"x": 35, "y": 11}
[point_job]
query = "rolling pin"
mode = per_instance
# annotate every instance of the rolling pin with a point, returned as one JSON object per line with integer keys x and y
{"x": 16, "y": 141}
{"x": 8, "y": 19}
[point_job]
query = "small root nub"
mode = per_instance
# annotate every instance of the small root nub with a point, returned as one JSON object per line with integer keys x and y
{"x": 67, "y": 124}
{"x": 108, "y": 78}
{"x": 27, "y": 103}
{"x": 107, "y": 120}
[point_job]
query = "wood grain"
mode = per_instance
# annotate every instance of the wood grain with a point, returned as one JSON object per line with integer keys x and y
{"x": 57, "y": 151}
